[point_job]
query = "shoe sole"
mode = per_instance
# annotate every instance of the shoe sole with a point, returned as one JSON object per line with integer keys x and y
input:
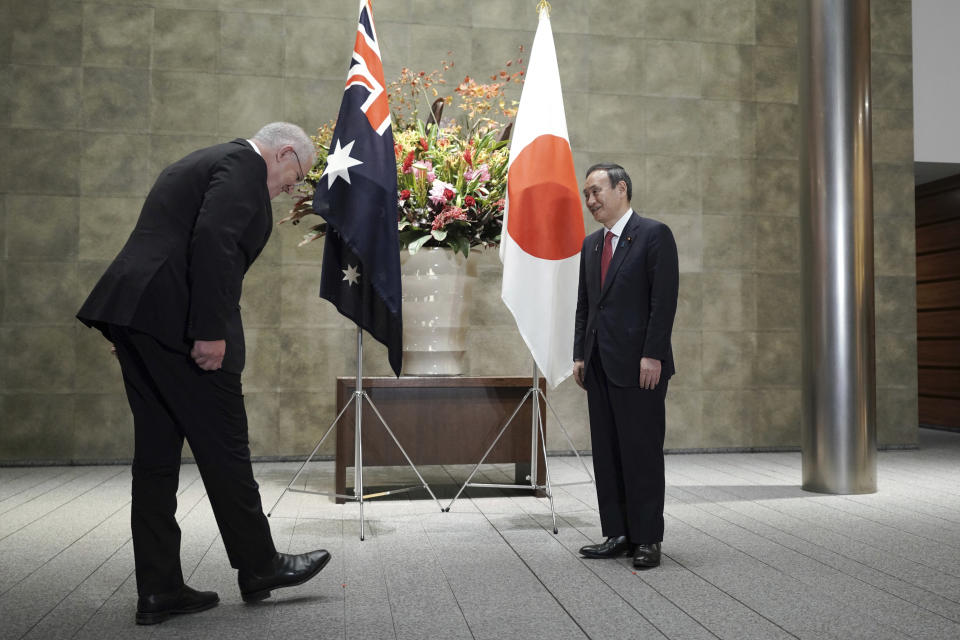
{"x": 159, "y": 616}
{"x": 591, "y": 556}
{"x": 263, "y": 594}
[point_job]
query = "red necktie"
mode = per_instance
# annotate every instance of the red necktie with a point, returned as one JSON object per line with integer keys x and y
{"x": 606, "y": 255}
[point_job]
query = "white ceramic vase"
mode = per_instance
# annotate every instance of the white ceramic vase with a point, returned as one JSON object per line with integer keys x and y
{"x": 437, "y": 293}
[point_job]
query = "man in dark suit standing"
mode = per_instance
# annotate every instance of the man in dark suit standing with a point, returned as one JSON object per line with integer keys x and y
{"x": 169, "y": 303}
{"x": 623, "y": 358}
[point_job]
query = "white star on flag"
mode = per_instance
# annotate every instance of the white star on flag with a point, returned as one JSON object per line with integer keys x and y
{"x": 352, "y": 274}
{"x": 339, "y": 162}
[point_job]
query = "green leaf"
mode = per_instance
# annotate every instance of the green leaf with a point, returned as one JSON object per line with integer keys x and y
{"x": 403, "y": 224}
{"x": 439, "y": 234}
{"x": 414, "y": 246}
{"x": 463, "y": 246}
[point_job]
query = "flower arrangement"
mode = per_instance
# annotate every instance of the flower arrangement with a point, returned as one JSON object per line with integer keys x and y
{"x": 451, "y": 175}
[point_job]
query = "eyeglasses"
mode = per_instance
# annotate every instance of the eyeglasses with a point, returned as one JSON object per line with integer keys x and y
{"x": 301, "y": 176}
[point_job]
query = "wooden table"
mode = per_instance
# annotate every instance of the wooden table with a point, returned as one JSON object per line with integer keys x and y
{"x": 439, "y": 420}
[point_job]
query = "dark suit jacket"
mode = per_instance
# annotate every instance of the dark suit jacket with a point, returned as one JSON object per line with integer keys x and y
{"x": 631, "y": 317}
{"x": 179, "y": 276}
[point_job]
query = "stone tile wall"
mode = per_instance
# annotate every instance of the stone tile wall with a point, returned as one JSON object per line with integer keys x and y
{"x": 696, "y": 98}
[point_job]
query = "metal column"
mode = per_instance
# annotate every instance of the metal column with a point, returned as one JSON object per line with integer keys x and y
{"x": 836, "y": 218}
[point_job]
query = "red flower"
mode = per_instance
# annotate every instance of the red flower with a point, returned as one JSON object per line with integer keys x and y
{"x": 424, "y": 144}
{"x": 468, "y": 156}
{"x": 469, "y": 201}
{"x": 405, "y": 194}
{"x": 408, "y": 162}
{"x": 397, "y": 150}
{"x": 448, "y": 194}
{"x": 449, "y": 213}
{"x": 500, "y": 204}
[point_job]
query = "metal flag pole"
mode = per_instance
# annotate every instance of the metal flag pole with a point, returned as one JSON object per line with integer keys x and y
{"x": 538, "y": 443}
{"x": 357, "y": 399}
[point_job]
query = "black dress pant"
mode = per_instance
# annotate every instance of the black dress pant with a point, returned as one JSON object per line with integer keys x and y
{"x": 172, "y": 399}
{"x": 627, "y": 427}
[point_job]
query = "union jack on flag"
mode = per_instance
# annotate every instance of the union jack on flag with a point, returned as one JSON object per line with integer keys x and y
{"x": 357, "y": 196}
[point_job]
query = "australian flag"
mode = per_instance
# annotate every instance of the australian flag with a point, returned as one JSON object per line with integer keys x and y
{"x": 357, "y": 196}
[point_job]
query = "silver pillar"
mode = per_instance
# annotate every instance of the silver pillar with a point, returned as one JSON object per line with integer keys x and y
{"x": 836, "y": 218}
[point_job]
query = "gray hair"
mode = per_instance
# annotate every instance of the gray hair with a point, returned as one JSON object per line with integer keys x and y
{"x": 279, "y": 134}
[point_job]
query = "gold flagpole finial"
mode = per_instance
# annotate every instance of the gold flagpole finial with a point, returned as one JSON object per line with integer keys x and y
{"x": 543, "y": 5}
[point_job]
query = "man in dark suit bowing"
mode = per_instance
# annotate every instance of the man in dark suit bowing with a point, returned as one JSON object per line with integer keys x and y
{"x": 623, "y": 358}
{"x": 169, "y": 303}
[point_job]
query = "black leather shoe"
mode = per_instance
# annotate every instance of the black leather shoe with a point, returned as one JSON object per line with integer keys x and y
{"x": 152, "y": 609}
{"x": 284, "y": 570}
{"x": 609, "y": 548}
{"x": 647, "y": 556}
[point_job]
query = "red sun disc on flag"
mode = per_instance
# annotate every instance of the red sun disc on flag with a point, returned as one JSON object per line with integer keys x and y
{"x": 545, "y": 218}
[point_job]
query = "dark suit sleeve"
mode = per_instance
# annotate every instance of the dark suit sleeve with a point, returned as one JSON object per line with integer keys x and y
{"x": 580, "y": 325}
{"x": 663, "y": 275}
{"x": 233, "y": 199}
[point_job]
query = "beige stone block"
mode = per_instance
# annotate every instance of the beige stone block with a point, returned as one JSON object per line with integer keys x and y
{"x": 117, "y": 36}
{"x": 185, "y": 40}
{"x": 891, "y": 26}
{"x": 309, "y": 56}
{"x": 487, "y": 308}
{"x": 499, "y": 351}
{"x": 728, "y": 21}
{"x": 897, "y": 416}
{"x": 247, "y": 103}
{"x": 37, "y": 427}
{"x": 777, "y": 187}
{"x": 41, "y": 292}
{"x": 253, "y": 6}
{"x": 38, "y": 359}
{"x": 46, "y": 32}
{"x": 6, "y": 32}
{"x": 778, "y": 127}
{"x": 303, "y": 419}
{"x": 183, "y": 101}
{"x": 688, "y": 233}
{"x": 677, "y": 20}
{"x": 289, "y": 237}
{"x": 325, "y": 8}
{"x": 251, "y": 43}
{"x": 728, "y": 242}
{"x": 896, "y": 357}
{"x": 616, "y": 125}
{"x": 778, "y": 359}
{"x": 612, "y": 72}
{"x": 167, "y": 149}
{"x": 104, "y": 427}
{"x": 97, "y": 369}
{"x": 893, "y": 194}
{"x": 575, "y": 67}
{"x": 261, "y": 297}
{"x": 300, "y": 301}
{"x": 894, "y": 247}
{"x": 729, "y": 418}
{"x": 777, "y": 22}
{"x": 434, "y": 46}
{"x": 570, "y": 403}
{"x": 105, "y": 225}
{"x": 672, "y": 126}
{"x": 116, "y": 99}
{"x": 88, "y": 274}
{"x": 263, "y": 421}
{"x": 891, "y": 81}
{"x": 7, "y": 89}
{"x": 727, "y": 184}
{"x": 684, "y": 418}
{"x": 493, "y": 14}
{"x": 262, "y": 369}
{"x": 728, "y": 359}
{"x": 312, "y": 358}
{"x": 394, "y": 40}
{"x": 729, "y": 128}
{"x": 892, "y": 136}
{"x": 726, "y": 71}
{"x": 670, "y": 68}
{"x": 607, "y": 18}
{"x": 778, "y": 417}
{"x": 490, "y": 51}
{"x": 778, "y": 301}
{"x": 41, "y": 227}
{"x": 40, "y": 162}
{"x": 673, "y": 184}
{"x": 776, "y": 74}
{"x": 728, "y": 300}
{"x": 689, "y": 302}
{"x": 896, "y": 303}
{"x": 115, "y": 164}
{"x": 376, "y": 359}
{"x": 311, "y": 103}
{"x": 47, "y": 99}
{"x": 688, "y": 358}
{"x": 778, "y": 244}
{"x": 576, "y": 109}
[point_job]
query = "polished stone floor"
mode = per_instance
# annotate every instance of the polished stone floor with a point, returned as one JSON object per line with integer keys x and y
{"x": 747, "y": 555}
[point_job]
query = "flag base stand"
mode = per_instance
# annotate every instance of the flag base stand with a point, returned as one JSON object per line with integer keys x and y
{"x": 538, "y": 444}
{"x": 357, "y": 398}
